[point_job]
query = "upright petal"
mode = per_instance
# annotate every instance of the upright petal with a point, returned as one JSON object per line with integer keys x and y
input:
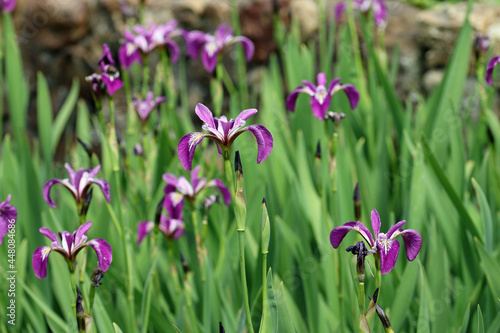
{"x": 186, "y": 148}
{"x": 321, "y": 79}
{"x": 264, "y": 140}
{"x": 93, "y": 172}
{"x": 49, "y": 234}
{"x": 489, "y": 70}
{"x": 143, "y": 229}
{"x": 72, "y": 174}
{"x": 39, "y": 261}
{"x": 205, "y": 114}
{"x": 80, "y": 233}
{"x": 248, "y": 46}
{"x": 171, "y": 183}
{"x": 376, "y": 223}
{"x": 394, "y": 228}
{"x": 244, "y": 115}
{"x": 103, "y": 251}
{"x": 223, "y": 32}
{"x": 388, "y": 255}
{"x": 413, "y": 243}
{"x": 226, "y": 193}
{"x": 338, "y": 233}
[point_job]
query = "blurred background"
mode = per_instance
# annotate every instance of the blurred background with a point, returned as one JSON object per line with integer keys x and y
{"x": 63, "y": 38}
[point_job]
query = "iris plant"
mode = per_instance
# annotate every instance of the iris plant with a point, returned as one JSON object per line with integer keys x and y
{"x": 110, "y": 75}
{"x": 146, "y": 40}
{"x": 172, "y": 225}
{"x": 223, "y": 132}
{"x": 8, "y": 217}
{"x": 385, "y": 245}
{"x": 489, "y": 70}
{"x": 321, "y": 95}
{"x": 197, "y": 185}
{"x": 146, "y": 106}
{"x": 78, "y": 183}
{"x": 377, "y": 6}
{"x": 7, "y": 6}
{"x": 69, "y": 246}
{"x": 211, "y": 46}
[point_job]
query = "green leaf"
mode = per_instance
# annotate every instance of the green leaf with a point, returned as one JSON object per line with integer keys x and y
{"x": 285, "y": 323}
{"x": 117, "y": 328}
{"x": 423, "y": 325}
{"x": 269, "y": 321}
{"x": 480, "y": 321}
{"x": 491, "y": 268}
{"x": 486, "y": 218}
{"x": 64, "y": 113}
{"x": 465, "y": 321}
{"x": 44, "y": 115}
{"x": 404, "y": 294}
{"x": 455, "y": 199}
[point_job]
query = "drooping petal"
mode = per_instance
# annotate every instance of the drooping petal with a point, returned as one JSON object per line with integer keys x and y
{"x": 186, "y": 148}
{"x": 194, "y": 42}
{"x": 39, "y": 261}
{"x": 319, "y": 109}
{"x": 376, "y": 223}
{"x": 103, "y": 251}
{"x": 264, "y": 140}
{"x": 226, "y": 193}
{"x": 143, "y": 229}
{"x": 4, "y": 227}
{"x": 104, "y": 185}
{"x": 7, "y": 210}
{"x": 338, "y": 233}
{"x": 112, "y": 84}
{"x": 352, "y": 94}
{"x": 248, "y": 46}
{"x": 388, "y": 255}
{"x": 80, "y": 233}
{"x": 489, "y": 70}
{"x": 173, "y": 204}
{"x": 209, "y": 59}
{"x": 291, "y": 100}
{"x": 205, "y": 115}
{"x": 413, "y": 243}
{"x": 46, "y": 190}
{"x": 174, "y": 50}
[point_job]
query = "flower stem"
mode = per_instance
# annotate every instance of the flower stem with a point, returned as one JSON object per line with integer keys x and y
{"x": 216, "y": 87}
{"x": 264, "y": 286}
{"x": 199, "y": 245}
{"x": 241, "y": 239}
{"x": 228, "y": 170}
{"x": 91, "y": 298}
{"x": 111, "y": 110}
{"x": 145, "y": 76}
{"x": 71, "y": 268}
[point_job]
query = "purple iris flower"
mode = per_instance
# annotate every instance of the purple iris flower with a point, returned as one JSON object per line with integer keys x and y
{"x": 78, "y": 183}
{"x": 146, "y": 106}
{"x": 191, "y": 190}
{"x": 110, "y": 74}
{"x": 172, "y": 226}
{"x": 69, "y": 246}
{"x": 321, "y": 95}
{"x": 384, "y": 244}
{"x": 378, "y": 6}
{"x": 223, "y": 132}
{"x": 7, "y": 6}
{"x": 489, "y": 70}
{"x": 146, "y": 40}
{"x": 95, "y": 81}
{"x": 211, "y": 46}
{"x": 8, "y": 217}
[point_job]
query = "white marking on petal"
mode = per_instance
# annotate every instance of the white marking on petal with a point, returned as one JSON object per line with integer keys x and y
{"x": 320, "y": 94}
{"x": 194, "y": 139}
